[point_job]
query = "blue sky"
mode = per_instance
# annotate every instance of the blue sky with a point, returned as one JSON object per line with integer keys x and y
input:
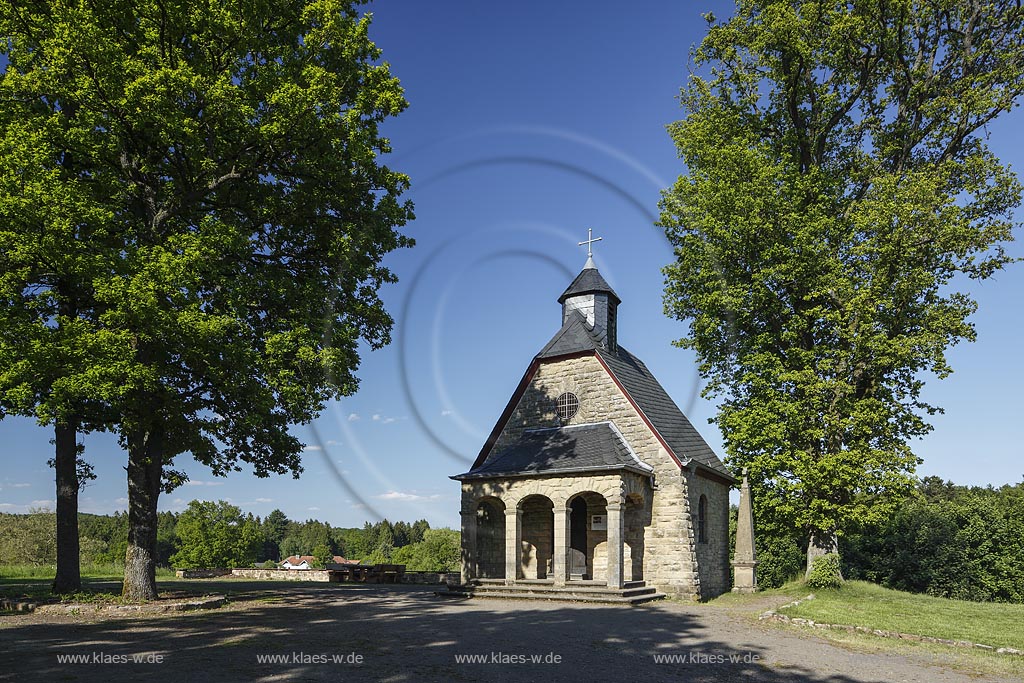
{"x": 528, "y": 123}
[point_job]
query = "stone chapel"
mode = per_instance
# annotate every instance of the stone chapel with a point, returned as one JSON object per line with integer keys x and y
{"x": 593, "y": 479}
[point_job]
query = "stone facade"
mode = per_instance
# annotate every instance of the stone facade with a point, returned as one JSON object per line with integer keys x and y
{"x": 670, "y": 557}
{"x": 651, "y": 513}
{"x": 661, "y": 547}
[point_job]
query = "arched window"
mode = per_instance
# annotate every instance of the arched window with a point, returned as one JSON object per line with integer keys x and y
{"x": 702, "y": 519}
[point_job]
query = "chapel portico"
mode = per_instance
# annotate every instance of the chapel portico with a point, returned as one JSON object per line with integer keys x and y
{"x": 584, "y": 528}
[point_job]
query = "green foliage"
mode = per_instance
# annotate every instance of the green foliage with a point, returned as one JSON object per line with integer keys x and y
{"x": 780, "y": 558}
{"x": 275, "y": 526}
{"x": 949, "y": 541}
{"x": 28, "y": 539}
{"x": 439, "y": 551}
{"x": 382, "y": 553}
{"x": 322, "y": 556}
{"x": 205, "y": 535}
{"x": 839, "y": 186}
{"x": 825, "y": 572}
{"x": 216, "y": 535}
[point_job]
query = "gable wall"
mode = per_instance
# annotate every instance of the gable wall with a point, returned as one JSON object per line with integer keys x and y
{"x": 670, "y": 558}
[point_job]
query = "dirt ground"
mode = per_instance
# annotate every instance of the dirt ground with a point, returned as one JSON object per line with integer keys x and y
{"x": 406, "y": 633}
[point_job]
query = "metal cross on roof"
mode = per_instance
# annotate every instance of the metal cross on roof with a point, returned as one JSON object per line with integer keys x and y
{"x": 589, "y": 241}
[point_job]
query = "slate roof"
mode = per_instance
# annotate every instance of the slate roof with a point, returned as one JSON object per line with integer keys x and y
{"x": 652, "y": 399}
{"x": 588, "y": 282}
{"x": 574, "y": 336}
{"x": 575, "y": 448}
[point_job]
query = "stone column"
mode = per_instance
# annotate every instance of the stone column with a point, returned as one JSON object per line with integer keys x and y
{"x": 745, "y": 559}
{"x": 470, "y": 559}
{"x": 513, "y": 534}
{"x": 559, "y": 552}
{"x": 616, "y": 535}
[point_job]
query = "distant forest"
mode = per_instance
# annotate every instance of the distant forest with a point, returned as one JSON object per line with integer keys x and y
{"x": 219, "y": 534}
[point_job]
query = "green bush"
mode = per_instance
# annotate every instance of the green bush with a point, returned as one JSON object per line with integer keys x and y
{"x": 779, "y": 560}
{"x": 965, "y": 543}
{"x": 825, "y": 572}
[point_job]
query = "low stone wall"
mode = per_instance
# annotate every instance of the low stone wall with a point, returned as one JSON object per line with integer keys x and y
{"x": 429, "y": 577}
{"x": 201, "y": 573}
{"x": 323, "y": 575}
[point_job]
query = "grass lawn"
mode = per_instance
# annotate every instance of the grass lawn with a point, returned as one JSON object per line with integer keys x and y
{"x": 19, "y": 572}
{"x": 100, "y": 582}
{"x": 859, "y": 603}
{"x": 866, "y": 604}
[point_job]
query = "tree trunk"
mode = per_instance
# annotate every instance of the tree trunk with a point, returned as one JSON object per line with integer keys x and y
{"x": 145, "y": 467}
{"x": 69, "y": 577}
{"x": 820, "y": 543}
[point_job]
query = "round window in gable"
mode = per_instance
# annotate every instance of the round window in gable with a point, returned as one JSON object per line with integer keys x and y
{"x": 566, "y": 406}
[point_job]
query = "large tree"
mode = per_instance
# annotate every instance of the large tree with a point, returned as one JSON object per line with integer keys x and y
{"x": 839, "y": 187}
{"x": 49, "y": 253}
{"x": 243, "y": 218}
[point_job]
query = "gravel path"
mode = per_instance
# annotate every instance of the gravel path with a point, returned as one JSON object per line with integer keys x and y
{"x": 405, "y": 633}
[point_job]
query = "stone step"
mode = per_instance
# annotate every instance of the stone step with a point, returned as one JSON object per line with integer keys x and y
{"x": 544, "y": 590}
{"x": 595, "y": 594}
{"x": 558, "y": 597}
{"x": 551, "y": 582}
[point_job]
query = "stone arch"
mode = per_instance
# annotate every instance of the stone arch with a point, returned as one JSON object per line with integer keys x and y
{"x": 637, "y": 486}
{"x": 490, "y": 537}
{"x": 524, "y": 489}
{"x": 587, "y": 548}
{"x": 537, "y": 539}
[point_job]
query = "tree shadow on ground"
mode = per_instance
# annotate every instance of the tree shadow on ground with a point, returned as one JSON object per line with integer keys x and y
{"x": 402, "y": 633}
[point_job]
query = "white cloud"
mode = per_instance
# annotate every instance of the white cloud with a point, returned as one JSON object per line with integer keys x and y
{"x": 43, "y": 504}
{"x": 312, "y": 448}
{"x": 406, "y": 497}
{"x": 332, "y": 442}
{"x": 354, "y": 417}
{"x": 19, "y": 486}
{"x": 121, "y": 501}
{"x": 383, "y": 419}
{"x": 264, "y": 500}
{"x": 200, "y": 482}
{"x": 376, "y": 417}
{"x": 7, "y": 505}
{"x": 313, "y": 509}
{"x": 446, "y": 413}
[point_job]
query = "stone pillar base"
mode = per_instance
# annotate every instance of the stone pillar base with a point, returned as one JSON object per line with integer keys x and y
{"x": 745, "y": 577}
